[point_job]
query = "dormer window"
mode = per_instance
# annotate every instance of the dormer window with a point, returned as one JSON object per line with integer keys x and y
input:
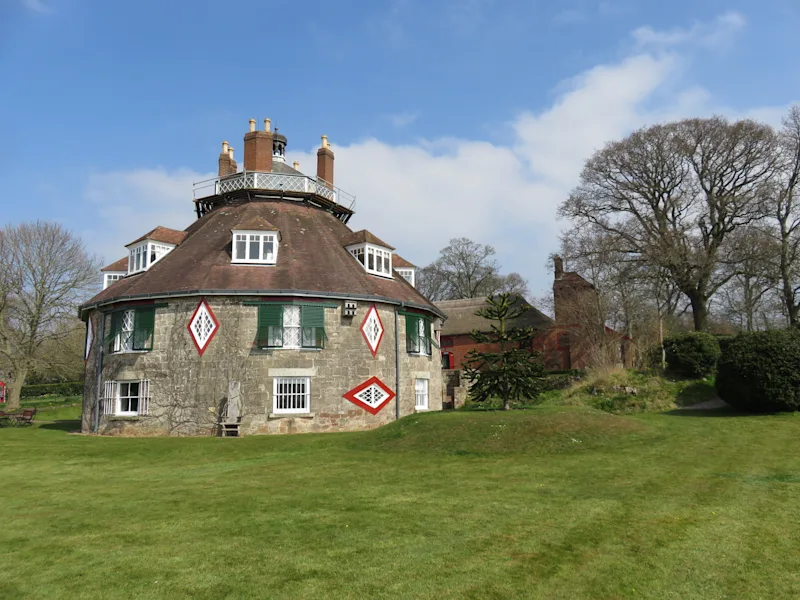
{"x": 374, "y": 259}
{"x": 109, "y": 278}
{"x": 255, "y": 247}
{"x": 408, "y": 275}
{"x": 144, "y": 255}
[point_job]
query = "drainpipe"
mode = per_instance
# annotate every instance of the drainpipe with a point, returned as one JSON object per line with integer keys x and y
{"x": 397, "y": 362}
{"x": 99, "y": 371}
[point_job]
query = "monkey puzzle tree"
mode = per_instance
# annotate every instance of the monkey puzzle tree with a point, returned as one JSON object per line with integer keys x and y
{"x": 508, "y": 368}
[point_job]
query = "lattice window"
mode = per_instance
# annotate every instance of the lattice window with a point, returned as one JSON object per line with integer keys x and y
{"x": 372, "y": 395}
{"x": 372, "y": 329}
{"x": 291, "y": 327}
{"x": 202, "y": 326}
{"x": 421, "y": 394}
{"x": 123, "y": 342}
{"x": 291, "y": 395}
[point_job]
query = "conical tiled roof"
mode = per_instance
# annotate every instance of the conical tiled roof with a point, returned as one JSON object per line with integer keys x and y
{"x": 312, "y": 260}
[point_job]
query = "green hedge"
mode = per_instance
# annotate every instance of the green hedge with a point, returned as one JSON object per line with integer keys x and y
{"x": 69, "y": 388}
{"x": 692, "y": 354}
{"x": 760, "y": 372}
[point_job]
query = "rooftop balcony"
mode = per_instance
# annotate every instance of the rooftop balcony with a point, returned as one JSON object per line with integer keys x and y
{"x": 282, "y": 183}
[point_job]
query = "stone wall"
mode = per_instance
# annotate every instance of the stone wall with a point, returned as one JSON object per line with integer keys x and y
{"x": 188, "y": 391}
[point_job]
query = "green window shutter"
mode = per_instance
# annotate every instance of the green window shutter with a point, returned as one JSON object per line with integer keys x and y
{"x": 270, "y": 316}
{"x": 144, "y": 324}
{"x": 412, "y": 333}
{"x": 428, "y": 336}
{"x": 312, "y": 321}
{"x": 116, "y": 325}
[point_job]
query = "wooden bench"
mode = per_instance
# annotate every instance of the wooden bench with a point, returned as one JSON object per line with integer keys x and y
{"x": 21, "y": 419}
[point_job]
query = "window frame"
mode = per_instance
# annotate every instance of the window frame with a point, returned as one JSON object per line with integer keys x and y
{"x": 121, "y": 344}
{"x": 422, "y": 335}
{"x": 417, "y": 393}
{"x": 145, "y": 254}
{"x": 380, "y": 257}
{"x": 306, "y": 395}
{"x": 110, "y": 277}
{"x": 408, "y": 275}
{"x": 119, "y": 399}
{"x": 309, "y": 337}
{"x": 257, "y": 239}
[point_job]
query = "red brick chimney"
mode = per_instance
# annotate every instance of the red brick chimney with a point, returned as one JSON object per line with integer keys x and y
{"x": 258, "y": 148}
{"x": 558, "y": 264}
{"x": 325, "y": 162}
{"x": 227, "y": 166}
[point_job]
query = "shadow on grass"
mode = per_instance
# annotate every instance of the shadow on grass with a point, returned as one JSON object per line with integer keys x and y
{"x": 71, "y": 425}
{"x": 695, "y": 393}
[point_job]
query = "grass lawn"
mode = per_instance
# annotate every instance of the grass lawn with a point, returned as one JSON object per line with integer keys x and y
{"x": 552, "y": 503}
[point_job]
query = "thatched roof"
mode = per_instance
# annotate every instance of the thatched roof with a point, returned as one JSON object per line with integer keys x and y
{"x": 461, "y": 317}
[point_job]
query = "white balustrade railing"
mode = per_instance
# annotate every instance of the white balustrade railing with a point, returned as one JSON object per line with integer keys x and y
{"x": 284, "y": 182}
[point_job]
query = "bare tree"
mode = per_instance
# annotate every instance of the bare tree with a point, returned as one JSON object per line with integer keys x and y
{"x": 45, "y": 274}
{"x": 784, "y": 208}
{"x": 747, "y": 299}
{"x": 466, "y": 269}
{"x": 670, "y": 195}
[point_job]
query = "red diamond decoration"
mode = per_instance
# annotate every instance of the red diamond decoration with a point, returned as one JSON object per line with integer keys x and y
{"x": 372, "y": 395}
{"x": 372, "y": 329}
{"x": 203, "y": 326}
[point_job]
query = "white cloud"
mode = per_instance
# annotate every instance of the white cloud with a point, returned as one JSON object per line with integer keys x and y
{"x": 716, "y": 34}
{"x": 36, "y": 6}
{"x": 403, "y": 119}
{"x": 131, "y": 203}
{"x": 418, "y": 196}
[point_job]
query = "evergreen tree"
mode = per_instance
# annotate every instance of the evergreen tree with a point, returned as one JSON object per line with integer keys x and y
{"x": 510, "y": 369}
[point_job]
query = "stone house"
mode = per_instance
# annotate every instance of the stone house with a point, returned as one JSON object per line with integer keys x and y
{"x": 267, "y": 314}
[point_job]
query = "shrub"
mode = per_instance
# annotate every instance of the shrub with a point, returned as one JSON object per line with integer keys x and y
{"x": 692, "y": 354}
{"x": 69, "y": 388}
{"x": 560, "y": 380}
{"x": 760, "y": 372}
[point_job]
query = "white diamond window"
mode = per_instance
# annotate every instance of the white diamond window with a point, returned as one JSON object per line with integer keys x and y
{"x": 202, "y": 326}
{"x": 372, "y": 328}
{"x": 372, "y": 395}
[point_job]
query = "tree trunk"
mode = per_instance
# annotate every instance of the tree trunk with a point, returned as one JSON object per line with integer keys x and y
{"x": 506, "y": 404}
{"x": 786, "y": 288}
{"x": 13, "y": 392}
{"x": 699, "y": 311}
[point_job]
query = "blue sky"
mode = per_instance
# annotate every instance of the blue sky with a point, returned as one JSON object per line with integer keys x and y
{"x": 448, "y": 117}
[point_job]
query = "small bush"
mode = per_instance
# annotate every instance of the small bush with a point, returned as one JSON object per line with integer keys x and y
{"x": 760, "y": 372}
{"x": 560, "y": 380}
{"x": 69, "y": 388}
{"x": 692, "y": 355}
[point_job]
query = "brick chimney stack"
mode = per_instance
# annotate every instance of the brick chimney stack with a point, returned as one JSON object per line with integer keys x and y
{"x": 258, "y": 148}
{"x": 325, "y": 162}
{"x": 558, "y": 263}
{"x": 227, "y": 166}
